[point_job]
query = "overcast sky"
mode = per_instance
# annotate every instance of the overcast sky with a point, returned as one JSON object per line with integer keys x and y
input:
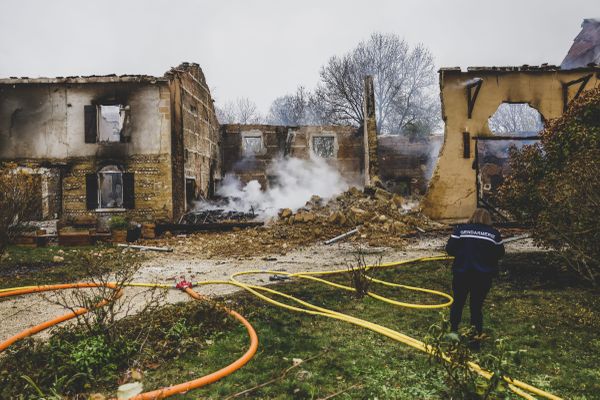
{"x": 264, "y": 49}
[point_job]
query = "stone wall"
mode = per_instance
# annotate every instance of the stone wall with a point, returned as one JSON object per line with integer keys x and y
{"x": 280, "y": 141}
{"x": 195, "y": 138}
{"x": 200, "y": 131}
{"x": 371, "y": 162}
{"x": 152, "y": 188}
{"x": 405, "y": 166}
{"x": 248, "y": 168}
{"x": 43, "y": 126}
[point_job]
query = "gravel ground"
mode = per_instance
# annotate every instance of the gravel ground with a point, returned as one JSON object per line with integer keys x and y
{"x": 23, "y": 312}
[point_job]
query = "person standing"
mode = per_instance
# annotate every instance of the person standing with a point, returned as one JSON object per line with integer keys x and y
{"x": 476, "y": 247}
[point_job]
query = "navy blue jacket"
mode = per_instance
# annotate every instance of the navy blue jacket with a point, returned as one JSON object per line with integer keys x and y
{"x": 475, "y": 247}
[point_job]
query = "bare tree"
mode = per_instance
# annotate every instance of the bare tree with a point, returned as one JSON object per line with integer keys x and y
{"x": 108, "y": 273}
{"x": 291, "y": 109}
{"x": 300, "y": 108}
{"x": 17, "y": 202}
{"x": 239, "y": 111}
{"x": 519, "y": 118}
{"x": 404, "y": 84}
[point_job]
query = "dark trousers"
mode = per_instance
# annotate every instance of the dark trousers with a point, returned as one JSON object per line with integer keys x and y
{"x": 478, "y": 285}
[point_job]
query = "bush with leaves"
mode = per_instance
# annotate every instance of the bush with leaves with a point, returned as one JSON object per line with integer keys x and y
{"x": 462, "y": 382}
{"x": 555, "y": 186}
{"x": 17, "y": 201}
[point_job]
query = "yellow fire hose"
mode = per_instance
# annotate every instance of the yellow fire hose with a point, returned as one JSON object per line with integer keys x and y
{"x": 522, "y": 389}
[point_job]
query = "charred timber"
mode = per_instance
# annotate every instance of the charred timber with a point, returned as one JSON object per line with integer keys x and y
{"x": 216, "y": 216}
{"x": 210, "y": 227}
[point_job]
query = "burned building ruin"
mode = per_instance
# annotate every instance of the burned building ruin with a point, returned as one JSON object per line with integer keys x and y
{"x": 469, "y": 99}
{"x": 249, "y": 149}
{"x": 134, "y": 145}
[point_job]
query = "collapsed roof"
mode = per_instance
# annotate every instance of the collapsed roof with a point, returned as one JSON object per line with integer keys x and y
{"x": 586, "y": 46}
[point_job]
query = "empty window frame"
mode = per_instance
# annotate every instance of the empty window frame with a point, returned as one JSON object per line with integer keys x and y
{"x": 252, "y": 145}
{"x": 106, "y": 123}
{"x": 323, "y": 146}
{"x": 110, "y": 187}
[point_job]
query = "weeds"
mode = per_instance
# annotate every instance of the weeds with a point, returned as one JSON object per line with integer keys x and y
{"x": 358, "y": 273}
{"x": 461, "y": 380}
{"x": 54, "y": 393}
{"x": 111, "y": 273}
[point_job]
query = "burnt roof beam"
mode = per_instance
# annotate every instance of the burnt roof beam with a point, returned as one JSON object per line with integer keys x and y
{"x": 472, "y": 95}
{"x": 565, "y": 87}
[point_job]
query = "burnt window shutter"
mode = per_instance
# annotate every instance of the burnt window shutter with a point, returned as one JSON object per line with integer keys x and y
{"x": 466, "y": 145}
{"x": 128, "y": 191}
{"x": 91, "y": 191}
{"x": 91, "y": 126}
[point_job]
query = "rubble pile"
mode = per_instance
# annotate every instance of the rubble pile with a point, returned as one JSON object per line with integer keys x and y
{"x": 214, "y": 216}
{"x": 382, "y": 219}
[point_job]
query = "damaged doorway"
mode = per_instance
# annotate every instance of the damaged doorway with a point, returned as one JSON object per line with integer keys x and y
{"x": 190, "y": 193}
{"x": 513, "y": 125}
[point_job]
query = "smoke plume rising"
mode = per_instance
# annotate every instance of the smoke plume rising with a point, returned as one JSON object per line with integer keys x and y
{"x": 293, "y": 182}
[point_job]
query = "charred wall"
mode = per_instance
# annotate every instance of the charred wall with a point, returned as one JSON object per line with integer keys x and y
{"x": 469, "y": 99}
{"x": 405, "y": 165}
{"x": 248, "y": 157}
{"x": 196, "y": 139}
{"x": 44, "y": 125}
{"x": 247, "y": 167}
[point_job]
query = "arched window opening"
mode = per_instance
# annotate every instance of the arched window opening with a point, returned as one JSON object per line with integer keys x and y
{"x": 518, "y": 119}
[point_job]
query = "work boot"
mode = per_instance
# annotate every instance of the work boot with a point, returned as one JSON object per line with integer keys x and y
{"x": 476, "y": 340}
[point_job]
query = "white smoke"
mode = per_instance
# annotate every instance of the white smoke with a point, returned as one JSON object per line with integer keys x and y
{"x": 433, "y": 156}
{"x": 294, "y": 181}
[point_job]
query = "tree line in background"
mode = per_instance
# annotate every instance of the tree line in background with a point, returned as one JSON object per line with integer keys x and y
{"x": 406, "y": 94}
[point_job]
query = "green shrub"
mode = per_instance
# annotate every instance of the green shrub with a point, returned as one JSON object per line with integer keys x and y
{"x": 178, "y": 331}
{"x": 555, "y": 186}
{"x": 96, "y": 355}
{"x": 461, "y": 381}
{"x": 118, "y": 223}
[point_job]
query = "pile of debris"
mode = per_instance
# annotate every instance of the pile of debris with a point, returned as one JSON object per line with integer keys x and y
{"x": 382, "y": 219}
{"x": 215, "y": 216}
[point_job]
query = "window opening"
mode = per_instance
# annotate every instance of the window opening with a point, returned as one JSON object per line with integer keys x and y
{"x": 516, "y": 119}
{"x": 111, "y": 120}
{"x": 323, "y": 146}
{"x": 110, "y": 187}
{"x": 252, "y": 145}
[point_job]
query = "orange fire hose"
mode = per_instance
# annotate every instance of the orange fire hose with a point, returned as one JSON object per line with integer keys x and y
{"x": 215, "y": 376}
{"x": 45, "y": 325}
{"x": 155, "y": 394}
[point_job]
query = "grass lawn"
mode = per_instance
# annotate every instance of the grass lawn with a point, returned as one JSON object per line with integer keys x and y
{"x": 22, "y": 266}
{"x": 535, "y": 305}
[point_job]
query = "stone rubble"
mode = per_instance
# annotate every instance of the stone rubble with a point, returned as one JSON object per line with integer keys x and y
{"x": 382, "y": 218}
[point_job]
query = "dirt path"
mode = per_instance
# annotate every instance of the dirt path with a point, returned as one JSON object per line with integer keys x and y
{"x": 23, "y": 312}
